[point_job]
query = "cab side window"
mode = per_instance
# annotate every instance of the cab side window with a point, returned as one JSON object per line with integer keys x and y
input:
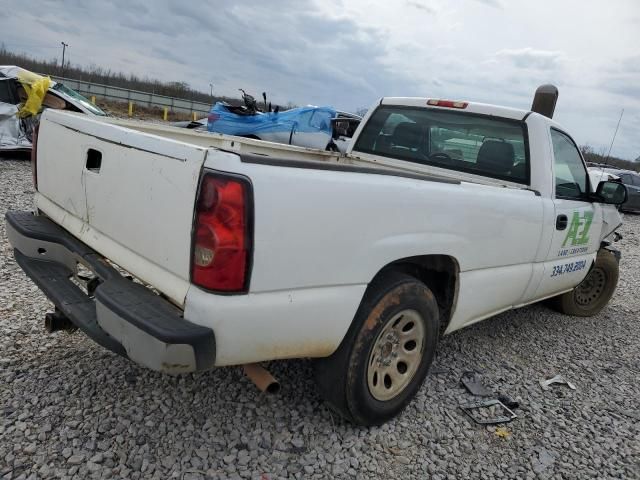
{"x": 570, "y": 173}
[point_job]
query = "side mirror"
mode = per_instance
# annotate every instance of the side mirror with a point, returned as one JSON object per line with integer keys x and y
{"x": 611, "y": 193}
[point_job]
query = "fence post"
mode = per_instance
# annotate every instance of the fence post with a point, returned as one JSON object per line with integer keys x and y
{"x": 93, "y": 99}
{"x": 164, "y": 115}
{"x": 130, "y": 108}
{"x": 193, "y": 116}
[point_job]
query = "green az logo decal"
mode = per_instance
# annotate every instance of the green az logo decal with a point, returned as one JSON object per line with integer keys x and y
{"x": 575, "y": 236}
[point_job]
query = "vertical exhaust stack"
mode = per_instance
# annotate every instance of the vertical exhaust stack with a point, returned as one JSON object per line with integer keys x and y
{"x": 544, "y": 101}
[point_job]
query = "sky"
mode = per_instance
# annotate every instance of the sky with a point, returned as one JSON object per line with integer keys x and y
{"x": 350, "y": 53}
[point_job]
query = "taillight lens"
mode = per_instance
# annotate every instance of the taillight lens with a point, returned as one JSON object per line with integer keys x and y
{"x": 34, "y": 156}
{"x": 222, "y": 233}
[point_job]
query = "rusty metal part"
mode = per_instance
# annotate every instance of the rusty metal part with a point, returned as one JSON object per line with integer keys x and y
{"x": 396, "y": 355}
{"x": 261, "y": 377}
{"x": 57, "y": 320}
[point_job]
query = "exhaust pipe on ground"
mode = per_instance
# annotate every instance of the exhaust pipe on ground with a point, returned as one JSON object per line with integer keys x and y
{"x": 54, "y": 321}
{"x": 261, "y": 378}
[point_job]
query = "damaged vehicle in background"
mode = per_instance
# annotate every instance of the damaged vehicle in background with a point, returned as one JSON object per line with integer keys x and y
{"x": 323, "y": 128}
{"x": 23, "y": 96}
{"x": 629, "y": 178}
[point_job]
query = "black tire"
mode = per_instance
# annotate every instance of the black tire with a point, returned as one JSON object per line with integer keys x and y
{"x": 342, "y": 378}
{"x": 594, "y": 292}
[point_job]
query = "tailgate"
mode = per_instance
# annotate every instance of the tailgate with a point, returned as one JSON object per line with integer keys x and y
{"x": 127, "y": 194}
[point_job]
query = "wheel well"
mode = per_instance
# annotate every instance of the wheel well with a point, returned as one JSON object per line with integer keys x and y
{"x": 439, "y": 273}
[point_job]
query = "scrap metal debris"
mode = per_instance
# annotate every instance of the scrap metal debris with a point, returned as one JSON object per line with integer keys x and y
{"x": 559, "y": 379}
{"x": 472, "y": 382}
{"x": 488, "y": 412}
{"x": 508, "y": 401}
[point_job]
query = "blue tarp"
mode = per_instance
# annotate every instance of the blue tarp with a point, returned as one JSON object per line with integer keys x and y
{"x": 304, "y": 119}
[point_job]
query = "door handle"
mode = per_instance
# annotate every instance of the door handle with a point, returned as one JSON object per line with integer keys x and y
{"x": 561, "y": 222}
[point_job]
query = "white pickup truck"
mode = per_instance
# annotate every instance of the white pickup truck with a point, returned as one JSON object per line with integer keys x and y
{"x": 184, "y": 251}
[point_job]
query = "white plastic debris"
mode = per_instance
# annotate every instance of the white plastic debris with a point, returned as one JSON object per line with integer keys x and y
{"x": 545, "y": 384}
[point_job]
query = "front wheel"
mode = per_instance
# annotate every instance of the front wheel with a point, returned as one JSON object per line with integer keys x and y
{"x": 594, "y": 292}
{"x": 384, "y": 358}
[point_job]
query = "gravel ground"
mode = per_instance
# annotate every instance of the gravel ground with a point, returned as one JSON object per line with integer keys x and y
{"x": 69, "y": 409}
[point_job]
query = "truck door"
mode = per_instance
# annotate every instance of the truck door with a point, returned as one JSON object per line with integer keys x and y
{"x": 578, "y": 221}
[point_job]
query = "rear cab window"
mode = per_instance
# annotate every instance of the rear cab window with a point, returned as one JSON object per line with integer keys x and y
{"x": 461, "y": 141}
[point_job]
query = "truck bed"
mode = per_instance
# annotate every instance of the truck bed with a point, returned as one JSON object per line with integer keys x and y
{"x": 228, "y": 142}
{"x": 289, "y": 155}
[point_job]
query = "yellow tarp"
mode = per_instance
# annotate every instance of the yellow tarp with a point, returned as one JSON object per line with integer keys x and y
{"x": 36, "y": 87}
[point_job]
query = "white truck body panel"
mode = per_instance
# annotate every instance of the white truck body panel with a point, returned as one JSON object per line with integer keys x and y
{"x": 320, "y": 234}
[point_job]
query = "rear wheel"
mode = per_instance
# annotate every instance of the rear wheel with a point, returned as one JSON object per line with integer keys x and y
{"x": 594, "y": 292}
{"x": 385, "y": 356}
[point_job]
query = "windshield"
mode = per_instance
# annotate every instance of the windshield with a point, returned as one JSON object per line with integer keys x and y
{"x": 59, "y": 87}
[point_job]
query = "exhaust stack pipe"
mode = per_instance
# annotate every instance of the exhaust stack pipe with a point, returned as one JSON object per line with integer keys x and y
{"x": 544, "y": 101}
{"x": 261, "y": 378}
{"x": 57, "y": 320}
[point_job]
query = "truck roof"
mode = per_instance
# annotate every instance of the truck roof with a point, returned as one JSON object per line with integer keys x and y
{"x": 473, "y": 107}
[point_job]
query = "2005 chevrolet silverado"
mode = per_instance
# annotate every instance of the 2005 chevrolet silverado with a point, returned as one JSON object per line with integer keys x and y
{"x": 441, "y": 214}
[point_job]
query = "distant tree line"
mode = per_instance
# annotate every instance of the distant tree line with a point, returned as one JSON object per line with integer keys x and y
{"x": 590, "y": 155}
{"x": 106, "y": 76}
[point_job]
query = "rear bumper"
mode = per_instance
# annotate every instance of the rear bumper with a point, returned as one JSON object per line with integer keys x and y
{"x": 122, "y": 316}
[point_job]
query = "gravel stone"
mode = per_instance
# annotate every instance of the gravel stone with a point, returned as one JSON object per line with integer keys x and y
{"x": 75, "y": 459}
{"x": 30, "y": 449}
{"x": 70, "y": 409}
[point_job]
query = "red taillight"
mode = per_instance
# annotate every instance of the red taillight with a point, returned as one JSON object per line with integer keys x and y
{"x": 213, "y": 117}
{"x": 34, "y": 156}
{"x": 222, "y": 233}
{"x": 447, "y": 103}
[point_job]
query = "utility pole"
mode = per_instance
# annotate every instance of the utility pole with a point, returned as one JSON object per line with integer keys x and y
{"x": 64, "y": 47}
{"x": 211, "y": 86}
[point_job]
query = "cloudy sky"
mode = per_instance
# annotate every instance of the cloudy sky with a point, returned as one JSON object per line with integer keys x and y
{"x": 349, "y": 53}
